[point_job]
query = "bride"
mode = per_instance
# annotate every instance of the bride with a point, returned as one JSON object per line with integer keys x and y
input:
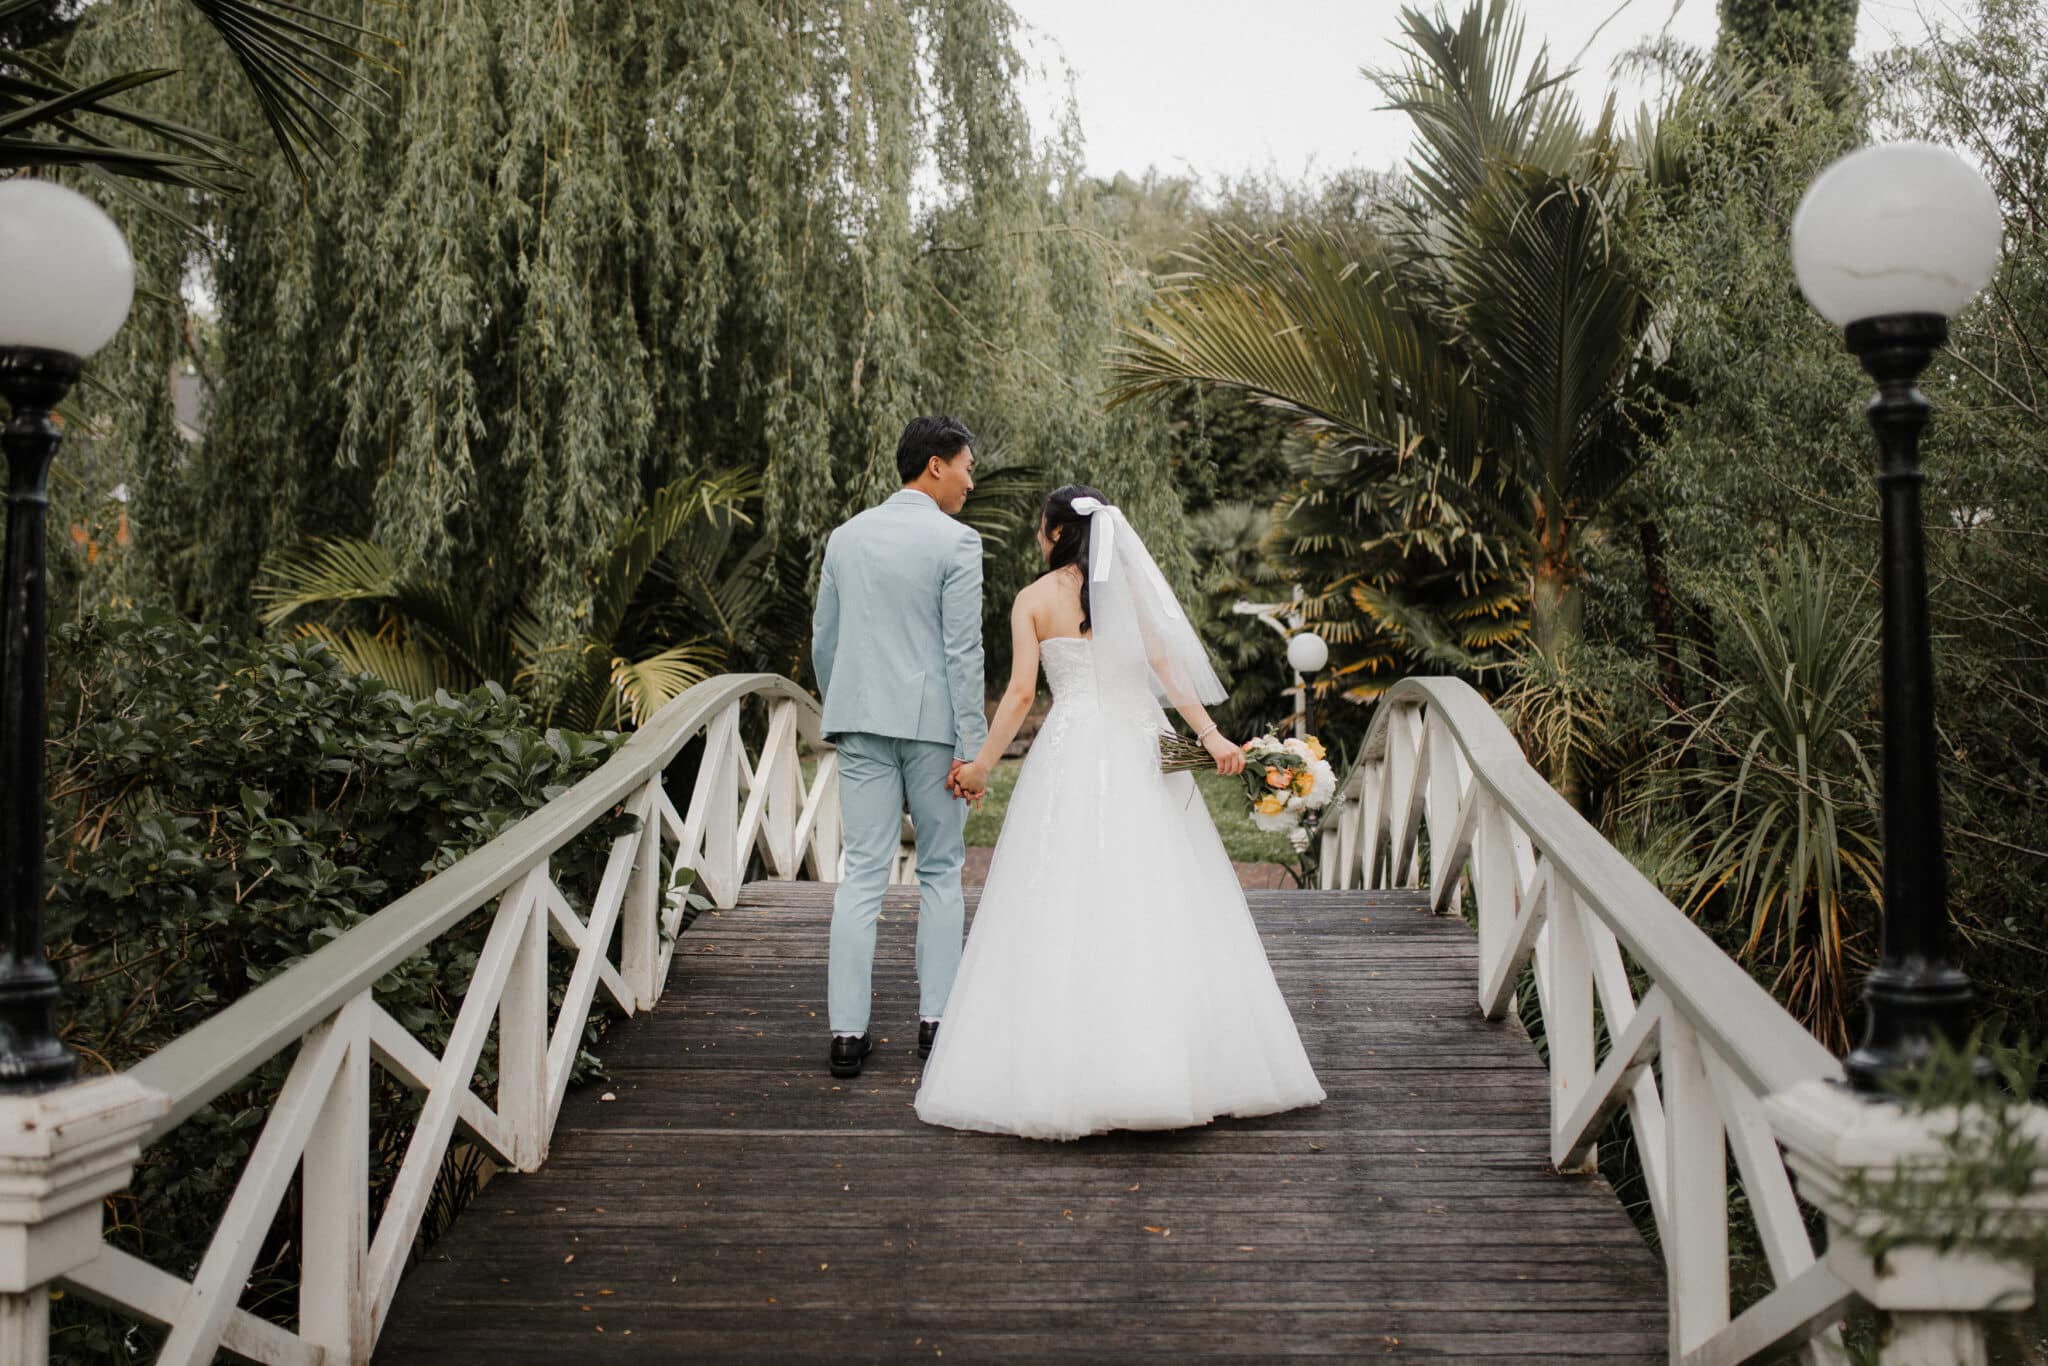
{"x": 1114, "y": 978}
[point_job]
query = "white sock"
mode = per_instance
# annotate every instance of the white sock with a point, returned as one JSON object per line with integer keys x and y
{"x": 929, "y": 1019}
{"x": 842, "y": 1034}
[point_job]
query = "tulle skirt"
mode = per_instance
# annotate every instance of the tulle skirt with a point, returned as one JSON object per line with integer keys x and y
{"x": 1114, "y": 978}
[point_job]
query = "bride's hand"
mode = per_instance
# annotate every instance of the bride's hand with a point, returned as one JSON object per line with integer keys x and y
{"x": 1229, "y": 758}
{"x": 970, "y": 782}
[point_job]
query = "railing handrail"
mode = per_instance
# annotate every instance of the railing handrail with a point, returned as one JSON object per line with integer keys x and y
{"x": 1736, "y": 1015}
{"x": 206, "y": 1060}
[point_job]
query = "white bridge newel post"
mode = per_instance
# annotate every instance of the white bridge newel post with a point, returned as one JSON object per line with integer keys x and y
{"x": 62, "y": 1153}
{"x": 1852, "y": 1155}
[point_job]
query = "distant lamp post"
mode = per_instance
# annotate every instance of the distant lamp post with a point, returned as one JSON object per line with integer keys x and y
{"x": 66, "y": 281}
{"x": 1308, "y": 653}
{"x": 1890, "y": 243}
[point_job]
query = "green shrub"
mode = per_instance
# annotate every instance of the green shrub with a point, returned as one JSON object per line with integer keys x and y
{"x": 220, "y": 809}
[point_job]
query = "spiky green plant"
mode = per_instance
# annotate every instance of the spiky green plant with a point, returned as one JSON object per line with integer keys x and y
{"x": 1767, "y": 790}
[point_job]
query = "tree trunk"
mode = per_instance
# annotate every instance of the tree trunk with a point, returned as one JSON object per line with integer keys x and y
{"x": 1557, "y": 611}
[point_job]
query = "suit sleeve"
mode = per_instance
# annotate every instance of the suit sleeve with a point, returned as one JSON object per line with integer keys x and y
{"x": 825, "y": 624}
{"x": 960, "y": 616}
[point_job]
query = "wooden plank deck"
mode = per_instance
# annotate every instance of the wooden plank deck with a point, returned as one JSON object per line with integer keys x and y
{"x": 732, "y": 1202}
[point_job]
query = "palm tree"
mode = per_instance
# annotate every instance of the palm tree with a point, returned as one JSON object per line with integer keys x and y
{"x": 1468, "y": 361}
{"x": 302, "y": 65}
{"x": 673, "y": 569}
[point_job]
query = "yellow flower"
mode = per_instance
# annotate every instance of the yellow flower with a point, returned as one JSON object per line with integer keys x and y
{"x": 1271, "y": 806}
{"x": 1277, "y": 777}
{"x": 1315, "y": 746}
{"x": 1303, "y": 781}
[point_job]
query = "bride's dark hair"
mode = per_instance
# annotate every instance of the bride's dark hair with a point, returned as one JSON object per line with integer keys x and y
{"x": 1070, "y": 544}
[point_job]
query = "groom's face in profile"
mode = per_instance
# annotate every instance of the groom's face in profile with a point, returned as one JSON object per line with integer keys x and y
{"x": 950, "y": 481}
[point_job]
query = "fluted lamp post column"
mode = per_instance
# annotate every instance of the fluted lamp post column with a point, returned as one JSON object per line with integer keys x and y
{"x": 1307, "y": 653}
{"x": 1889, "y": 243}
{"x": 66, "y": 281}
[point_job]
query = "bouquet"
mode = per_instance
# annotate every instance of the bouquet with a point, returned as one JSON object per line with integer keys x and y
{"x": 1287, "y": 782}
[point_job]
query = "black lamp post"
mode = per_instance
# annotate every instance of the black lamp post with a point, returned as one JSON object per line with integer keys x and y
{"x": 65, "y": 284}
{"x": 1889, "y": 243}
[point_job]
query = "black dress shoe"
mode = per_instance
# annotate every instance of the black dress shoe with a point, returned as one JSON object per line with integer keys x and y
{"x": 849, "y": 1054}
{"x": 927, "y": 1035}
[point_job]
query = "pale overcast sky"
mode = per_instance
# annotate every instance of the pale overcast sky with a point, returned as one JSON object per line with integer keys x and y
{"x": 1220, "y": 87}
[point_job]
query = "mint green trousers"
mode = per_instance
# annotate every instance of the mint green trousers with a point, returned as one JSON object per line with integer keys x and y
{"x": 878, "y": 776}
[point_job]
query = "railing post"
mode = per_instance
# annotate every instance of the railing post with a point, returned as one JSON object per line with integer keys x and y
{"x": 1695, "y": 1232}
{"x": 62, "y": 1153}
{"x": 1931, "y": 1264}
{"x": 334, "y": 1307}
{"x": 1567, "y": 1018}
{"x": 523, "y": 1036}
{"x": 640, "y": 917}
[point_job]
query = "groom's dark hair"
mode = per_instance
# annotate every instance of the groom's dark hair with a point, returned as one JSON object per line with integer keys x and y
{"x": 926, "y": 437}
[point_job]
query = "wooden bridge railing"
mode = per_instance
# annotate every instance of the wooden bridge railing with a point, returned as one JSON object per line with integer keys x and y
{"x": 1444, "y": 799}
{"x": 321, "y": 1120}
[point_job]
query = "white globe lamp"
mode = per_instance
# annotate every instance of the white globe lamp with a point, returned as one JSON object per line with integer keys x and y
{"x": 66, "y": 278}
{"x": 1307, "y": 652}
{"x": 1900, "y": 228}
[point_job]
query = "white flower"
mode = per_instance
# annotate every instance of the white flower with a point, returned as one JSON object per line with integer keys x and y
{"x": 1285, "y": 821}
{"x": 1295, "y": 803}
{"x": 1325, "y": 786}
{"x": 1298, "y": 747}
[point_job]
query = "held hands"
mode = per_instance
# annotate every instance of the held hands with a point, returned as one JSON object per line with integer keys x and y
{"x": 968, "y": 782}
{"x": 1229, "y": 757}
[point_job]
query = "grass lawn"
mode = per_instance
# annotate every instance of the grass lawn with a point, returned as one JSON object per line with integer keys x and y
{"x": 1245, "y": 842}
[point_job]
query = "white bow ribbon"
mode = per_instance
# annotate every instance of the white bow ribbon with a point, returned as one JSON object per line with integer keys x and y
{"x": 1102, "y": 533}
{"x": 1102, "y": 548}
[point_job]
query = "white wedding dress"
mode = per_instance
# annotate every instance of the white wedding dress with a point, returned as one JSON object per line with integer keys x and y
{"x": 1114, "y": 977}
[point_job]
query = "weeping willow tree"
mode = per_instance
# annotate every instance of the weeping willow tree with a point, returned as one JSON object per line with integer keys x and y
{"x": 579, "y": 253}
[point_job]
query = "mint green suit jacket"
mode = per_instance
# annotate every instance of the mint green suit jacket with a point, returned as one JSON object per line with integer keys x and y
{"x": 896, "y": 637}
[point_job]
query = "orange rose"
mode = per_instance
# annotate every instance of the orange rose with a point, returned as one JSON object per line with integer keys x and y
{"x": 1277, "y": 777}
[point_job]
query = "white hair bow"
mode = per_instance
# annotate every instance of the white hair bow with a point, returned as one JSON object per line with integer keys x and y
{"x": 1102, "y": 550}
{"x": 1101, "y": 534}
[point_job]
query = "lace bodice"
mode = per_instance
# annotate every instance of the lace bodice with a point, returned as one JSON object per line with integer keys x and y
{"x": 1069, "y": 664}
{"x": 1077, "y": 689}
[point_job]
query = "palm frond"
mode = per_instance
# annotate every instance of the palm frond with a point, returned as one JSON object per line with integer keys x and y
{"x": 1310, "y": 322}
{"x": 392, "y": 654}
{"x": 326, "y": 572}
{"x": 715, "y": 499}
{"x": 303, "y": 65}
{"x": 1004, "y": 501}
{"x": 341, "y": 570}
{"x": 640, "y": 688}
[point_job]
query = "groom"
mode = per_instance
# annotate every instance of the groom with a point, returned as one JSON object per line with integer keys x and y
{"x": 896, "y": 639}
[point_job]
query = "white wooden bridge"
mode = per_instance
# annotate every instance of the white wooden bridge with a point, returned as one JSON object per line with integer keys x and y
{"x": 1444, "y": 1203}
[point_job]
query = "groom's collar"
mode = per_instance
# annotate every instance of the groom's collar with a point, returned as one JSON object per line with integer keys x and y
{"x": 911, "y": 497}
